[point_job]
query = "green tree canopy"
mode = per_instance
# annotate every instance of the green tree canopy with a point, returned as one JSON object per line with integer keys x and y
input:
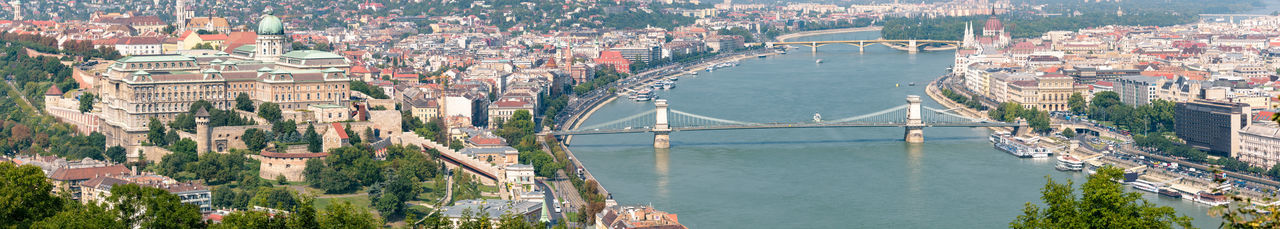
{"x": 1104, "y": 204}
{"x": 149, "y": 207}
{"x": 269, "y": 111}
{"x": 25, "y": 196}
{"x": 86, "y": 102}
{"x": 243, "y": 102}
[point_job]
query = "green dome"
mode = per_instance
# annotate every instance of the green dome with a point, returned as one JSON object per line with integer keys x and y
{"x": 270, "y": 25}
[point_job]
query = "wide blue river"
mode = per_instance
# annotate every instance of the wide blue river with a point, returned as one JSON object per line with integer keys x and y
{"x": 820, "y": 178}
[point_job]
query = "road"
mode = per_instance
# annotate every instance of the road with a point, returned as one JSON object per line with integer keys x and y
{"x": 550, "y": 198}
{"x": 954, "y": 83}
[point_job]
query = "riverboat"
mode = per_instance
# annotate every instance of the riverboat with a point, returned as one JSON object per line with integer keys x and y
{"x": 644, "y": 95}
{"x": 1069, "y": 163}
{"x": 1019, "y": 147}
{"x": 1168, "y": 192}
{"x": 819, "y": 61}
{"x": 1211, "y": 199}
{"x": 668, "y": 84}
{"x": 1145, "y": 186}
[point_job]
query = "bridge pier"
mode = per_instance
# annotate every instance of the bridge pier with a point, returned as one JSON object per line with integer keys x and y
{"x": 912, "y": 47}
{"x": 915, "y": 125}
{"x": 661, "y": 129}
{"x": 814, "y": 47}
{"x": 861, "y": 46}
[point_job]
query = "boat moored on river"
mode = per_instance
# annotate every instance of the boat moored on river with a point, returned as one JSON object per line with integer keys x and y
{"x": 1211, "y": 198}
{"x": 1145, "y": 186}
{"x": 1019, "y": 146}
{"x": 644, "y": 95}
{"x": 1169, "y": 192}
{"x": 1069, "y": 163}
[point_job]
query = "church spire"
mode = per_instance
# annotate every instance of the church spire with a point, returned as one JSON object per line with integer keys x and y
{"x": 968, "y": 35}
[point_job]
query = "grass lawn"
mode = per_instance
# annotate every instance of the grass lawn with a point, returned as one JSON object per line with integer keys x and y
{"x": 419, "y": 210}
{"x": 486, "y": 188}
{"x": 359, "y": 201}
{"x": 429, "y": 196}
{"x": 571, "y": 217}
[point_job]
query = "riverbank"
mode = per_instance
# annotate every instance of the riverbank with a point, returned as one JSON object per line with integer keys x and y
{"x": 789, "y": 36}
{"x": 1186, "y": 184}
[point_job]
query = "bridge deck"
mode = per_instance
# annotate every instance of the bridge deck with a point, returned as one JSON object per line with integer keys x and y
{"x": 781, "y": 126}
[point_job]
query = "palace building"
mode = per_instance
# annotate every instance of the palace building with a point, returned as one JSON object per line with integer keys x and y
{"x": 137, "y": 88}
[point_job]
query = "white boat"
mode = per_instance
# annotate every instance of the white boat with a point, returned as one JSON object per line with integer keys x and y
{"x": 1145, "y": 186}
{"x": 1069, "y": 163}
{"x": 1019, "y": 147}
{"x": 644, "y": 95}
{"x": 668, "y": 84}
{"x": 1211, "y": 199}
{"x": 817, "y": 117}
{"x": 818, "y": 61}
{"x": 695, "y": 73}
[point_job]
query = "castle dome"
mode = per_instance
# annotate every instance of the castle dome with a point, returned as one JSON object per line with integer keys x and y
{"x": 270, "y": 25}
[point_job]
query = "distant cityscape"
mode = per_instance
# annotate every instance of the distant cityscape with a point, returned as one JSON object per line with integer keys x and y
{"x": 457, "y": 114}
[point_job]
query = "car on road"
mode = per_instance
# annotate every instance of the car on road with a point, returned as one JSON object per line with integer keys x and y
{"x": 557, "y": 209}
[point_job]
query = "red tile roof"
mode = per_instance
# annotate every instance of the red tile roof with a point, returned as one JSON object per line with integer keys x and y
{"x": 293, "y": 155}
{"x": 53, "y": 90}
{"x": 213, "y": 37}
{"x": 342, "y": 132}
{"x": 68, "y": 174}
{"x": 237, "y": 39}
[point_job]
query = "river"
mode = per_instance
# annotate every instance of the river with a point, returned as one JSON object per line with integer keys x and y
{"x": 820, "y": 178}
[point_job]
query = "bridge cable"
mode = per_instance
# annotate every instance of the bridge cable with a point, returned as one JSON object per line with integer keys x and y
{"x": 705, "y": 118}
{"x": 628, "y": 118}
{"x": 948, "y": 113}
{"x": 886, "y": 111}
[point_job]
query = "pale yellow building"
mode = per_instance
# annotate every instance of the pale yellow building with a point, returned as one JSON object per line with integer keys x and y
{"x": 137, "y": 88}
{"x": 1047, "y": 92}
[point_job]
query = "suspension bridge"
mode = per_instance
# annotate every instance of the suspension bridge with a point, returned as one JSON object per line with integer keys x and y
{"x": 662, "y": 120}
{"x": 911, "y": 45}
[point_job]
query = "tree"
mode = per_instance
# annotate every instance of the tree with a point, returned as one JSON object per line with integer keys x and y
{"x": 299, "y": 46}
{"x": 116, "y": 154}
{"x": 388, "y": 197}
{"x": 149, "y": 207}
{"x": 277, "y": 198}
{"x": 76, "y": 215}
{"x": 1077, "y": 103}
{"x": 251, "y": 219}
{"x": 352, "y": 136}
{"x": 281, "y": 180}
{"x": 1068, "y": 132}
{"x": 455, "y": 144}
{"x": 25, "y": 196}
{"x": 205, "y": 45}
{"x": 1274, "y": 172}
{"x": 286, "y": 131}
{"x": 1104, "y": 204}
{"x": 345, "y": 215}
{"x": 314, "y": 143}
{"x": 1101, "y": 104}
{"x": 86, "y": 102}
{"x": 255, "y": 139}
{"x": 243, "y": 102}
{"x": 269, "y": 111}
{"x": 155, "y": 133}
